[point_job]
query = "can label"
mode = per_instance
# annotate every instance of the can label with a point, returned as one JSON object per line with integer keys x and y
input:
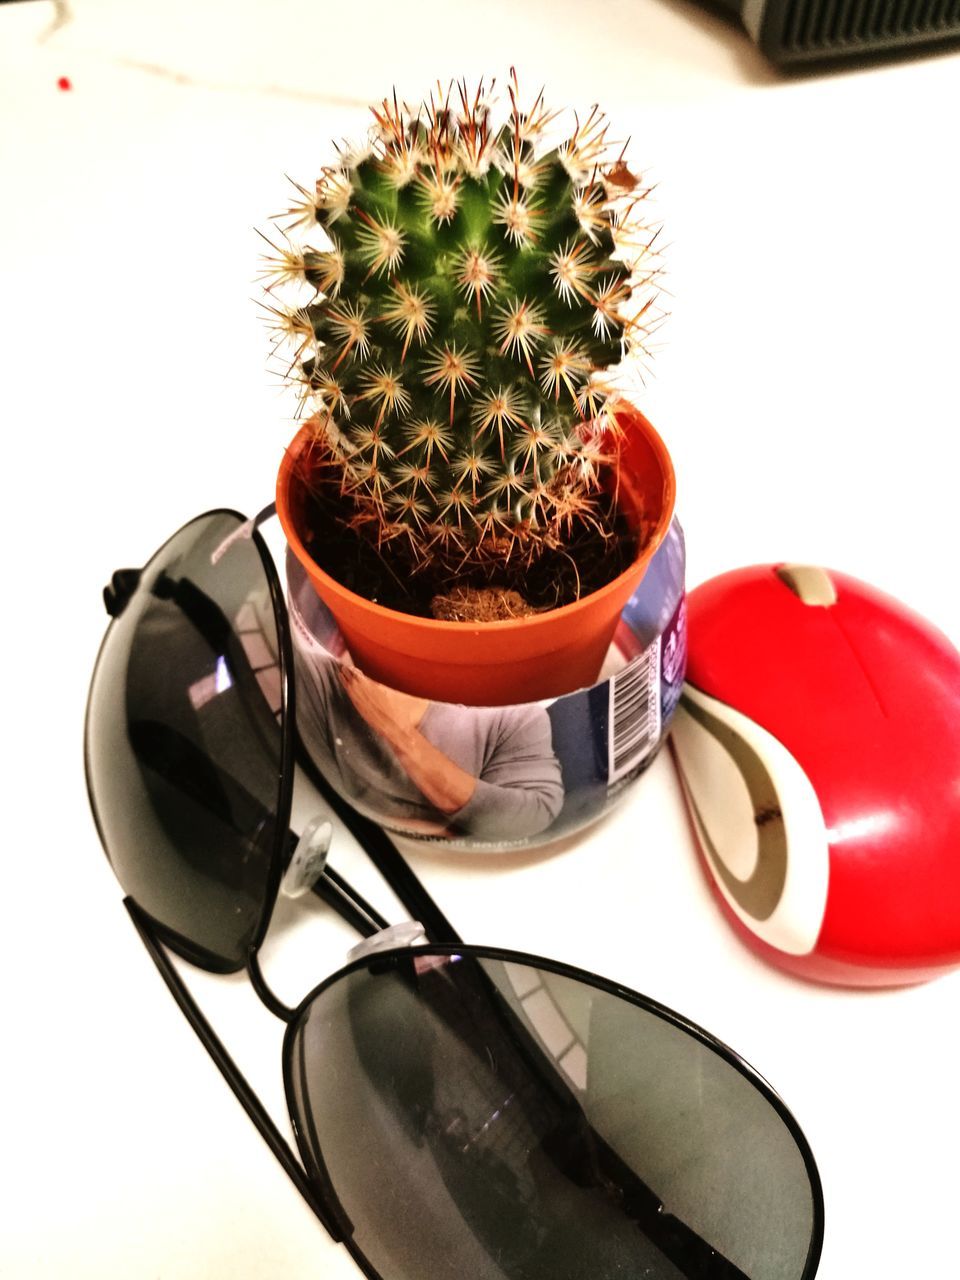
{"x": 492, "y": 778}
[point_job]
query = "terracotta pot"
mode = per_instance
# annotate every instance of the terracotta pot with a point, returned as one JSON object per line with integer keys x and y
{"x": 496, "y": 663}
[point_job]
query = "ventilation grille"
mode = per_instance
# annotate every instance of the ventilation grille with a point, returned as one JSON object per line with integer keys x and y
{"x": 834, "y": 27}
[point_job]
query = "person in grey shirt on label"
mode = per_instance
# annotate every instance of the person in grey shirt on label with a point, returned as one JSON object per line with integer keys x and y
{"x": 426, "y": 767}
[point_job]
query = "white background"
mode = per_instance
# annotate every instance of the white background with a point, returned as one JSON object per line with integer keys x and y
{"x": 807, "y": 387}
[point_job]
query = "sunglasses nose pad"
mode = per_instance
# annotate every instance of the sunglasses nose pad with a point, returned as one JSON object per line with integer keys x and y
{"x": 408, "y": 933}
{"x": 309, "y": 859}
{"x": 120, "y": 589}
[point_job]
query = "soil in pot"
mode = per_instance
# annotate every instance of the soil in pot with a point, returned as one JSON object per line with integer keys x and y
{"x": 595, "y": 552}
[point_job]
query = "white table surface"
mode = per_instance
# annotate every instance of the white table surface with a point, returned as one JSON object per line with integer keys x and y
{"x": 807, "y": 387}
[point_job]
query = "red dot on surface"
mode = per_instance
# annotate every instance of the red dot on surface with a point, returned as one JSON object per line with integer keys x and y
{"x": 64, "y": 83}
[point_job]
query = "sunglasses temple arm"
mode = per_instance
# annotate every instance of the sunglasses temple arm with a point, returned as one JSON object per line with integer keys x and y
{"x": 229, "y": 1069}
{"x": 339, "y": 894}
{"x": 384, "y": 855}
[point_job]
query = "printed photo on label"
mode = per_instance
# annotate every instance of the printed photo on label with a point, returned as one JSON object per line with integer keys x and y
{"x": 492, "y": 778}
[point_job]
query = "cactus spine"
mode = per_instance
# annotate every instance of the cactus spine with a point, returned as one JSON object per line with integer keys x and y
{"x": 473, "y": 287}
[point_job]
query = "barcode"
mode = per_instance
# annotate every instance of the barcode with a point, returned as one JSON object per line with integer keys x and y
{"x": 634, "y": 711}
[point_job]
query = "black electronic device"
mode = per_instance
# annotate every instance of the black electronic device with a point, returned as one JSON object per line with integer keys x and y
{"x": 795, "y": 31}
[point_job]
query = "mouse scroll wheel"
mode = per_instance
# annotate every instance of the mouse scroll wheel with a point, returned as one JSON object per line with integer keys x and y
{"x": 812, "y": 584}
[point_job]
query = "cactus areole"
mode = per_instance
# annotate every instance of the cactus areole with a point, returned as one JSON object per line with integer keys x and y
{"x": 468, "y": 288}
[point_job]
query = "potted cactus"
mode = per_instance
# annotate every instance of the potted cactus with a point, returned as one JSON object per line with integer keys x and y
{"x": 475, "y": 289}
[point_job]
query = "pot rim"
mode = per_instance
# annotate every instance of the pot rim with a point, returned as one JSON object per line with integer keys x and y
{"x": 528, "y": 622}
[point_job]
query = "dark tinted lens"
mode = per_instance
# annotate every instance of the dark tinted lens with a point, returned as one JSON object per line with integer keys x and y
{"x": 489, "y": 1119}
{"x": 185, "y": 740}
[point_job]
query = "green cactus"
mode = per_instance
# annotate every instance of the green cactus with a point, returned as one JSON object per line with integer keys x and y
{"x": 474, "y": 288}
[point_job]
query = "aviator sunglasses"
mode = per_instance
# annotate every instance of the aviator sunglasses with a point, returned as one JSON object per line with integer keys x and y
{"x": 459, "y": 1112}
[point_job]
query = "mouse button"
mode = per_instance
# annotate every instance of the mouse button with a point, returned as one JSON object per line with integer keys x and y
{"x": 809, "y": 583}
{"x": 913, "y": 667}
{"x": 754, "y": 646}
{"x": 728, "y": 620}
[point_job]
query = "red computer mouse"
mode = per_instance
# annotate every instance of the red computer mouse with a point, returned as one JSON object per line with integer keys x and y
{"x": 818, "y": 745}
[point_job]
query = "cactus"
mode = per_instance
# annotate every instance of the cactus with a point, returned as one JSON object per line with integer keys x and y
{"x": 473, "y": 287}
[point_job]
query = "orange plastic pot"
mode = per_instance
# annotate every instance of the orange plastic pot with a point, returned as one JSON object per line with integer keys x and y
{"x": 496, "y": 663}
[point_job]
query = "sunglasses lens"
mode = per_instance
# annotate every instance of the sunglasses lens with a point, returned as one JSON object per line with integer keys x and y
{"x": 483, "y": 1118}
{"x": 185, "y": 739}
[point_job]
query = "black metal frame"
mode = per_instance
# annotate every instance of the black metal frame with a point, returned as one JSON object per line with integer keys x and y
{"x": 336, "y": 892}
